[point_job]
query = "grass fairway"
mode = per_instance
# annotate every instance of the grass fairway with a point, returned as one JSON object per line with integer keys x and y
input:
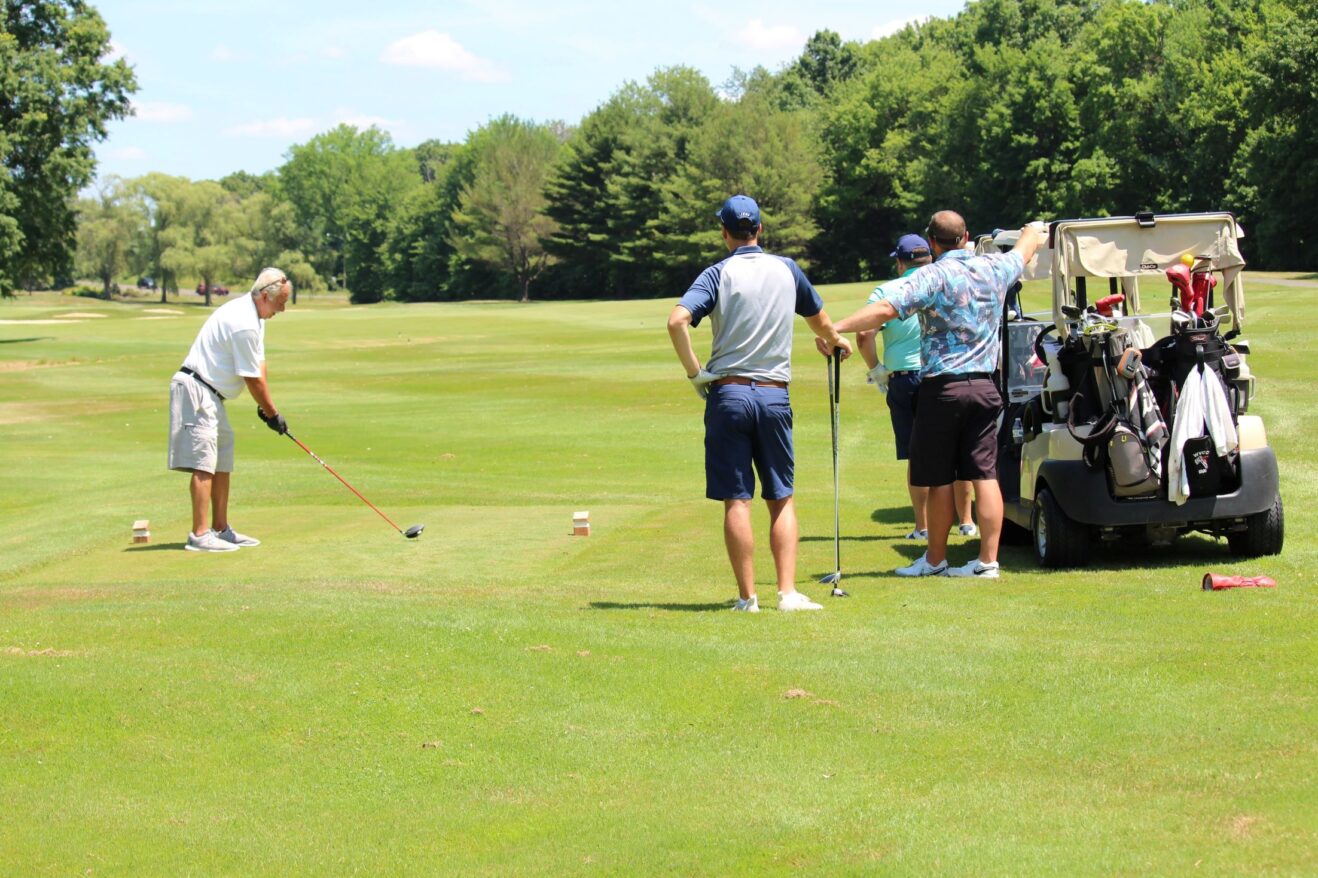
{"x": 499, "y": 697}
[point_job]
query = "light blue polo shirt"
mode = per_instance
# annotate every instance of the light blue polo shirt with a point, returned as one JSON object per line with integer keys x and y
{"x": 901, "y": 338}
{"x": 750, "y": 298}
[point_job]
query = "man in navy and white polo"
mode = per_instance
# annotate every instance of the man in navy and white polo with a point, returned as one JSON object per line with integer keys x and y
{"x": 750, "y": 299}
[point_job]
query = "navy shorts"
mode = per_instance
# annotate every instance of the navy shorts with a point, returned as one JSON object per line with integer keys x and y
{"x": 956, "y": 433}
{"x": 902, "y": 391}
{"x": 748, "y": 426}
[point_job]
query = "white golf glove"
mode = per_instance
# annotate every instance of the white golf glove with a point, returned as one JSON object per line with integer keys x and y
{"x": 700, "y": 381}
{"x": 878, "y": 376}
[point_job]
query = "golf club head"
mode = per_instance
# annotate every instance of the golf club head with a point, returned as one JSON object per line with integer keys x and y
{"x": 414, "y": 531}
{"x": 835, "y": 580}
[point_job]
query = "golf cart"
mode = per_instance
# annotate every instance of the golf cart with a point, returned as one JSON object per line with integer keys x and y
{"x": 1090, "y": 447}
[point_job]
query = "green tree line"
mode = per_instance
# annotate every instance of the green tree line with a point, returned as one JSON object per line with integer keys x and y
{"x": 1009, "y": 111}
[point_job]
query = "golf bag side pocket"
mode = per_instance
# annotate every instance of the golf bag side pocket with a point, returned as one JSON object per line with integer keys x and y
{"x": 1128, "y": 464}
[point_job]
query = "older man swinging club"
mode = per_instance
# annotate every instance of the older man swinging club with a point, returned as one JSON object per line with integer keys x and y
{"x": 229, "y": 353}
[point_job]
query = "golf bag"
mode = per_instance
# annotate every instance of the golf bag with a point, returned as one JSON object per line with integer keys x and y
{"x": 1126, "y": 431}
{"x": 1196, "y": 343}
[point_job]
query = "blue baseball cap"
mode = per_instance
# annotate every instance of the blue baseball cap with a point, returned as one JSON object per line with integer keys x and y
{"x": 910, "y": 247}
{"x": 740, "y": 213}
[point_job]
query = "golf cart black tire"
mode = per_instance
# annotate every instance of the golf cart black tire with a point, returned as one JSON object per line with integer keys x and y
{"x": 1263, "y": 534}
{"x": 1065, "y": 542}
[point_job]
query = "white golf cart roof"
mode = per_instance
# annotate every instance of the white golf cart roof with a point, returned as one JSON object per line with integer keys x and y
{"x": 1128, "y": 248}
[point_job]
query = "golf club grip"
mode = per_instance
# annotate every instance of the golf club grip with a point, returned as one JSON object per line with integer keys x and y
{"x": 837, "y": 374}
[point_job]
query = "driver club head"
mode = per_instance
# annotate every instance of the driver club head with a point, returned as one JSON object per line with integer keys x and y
{"x": 414, "y": 531}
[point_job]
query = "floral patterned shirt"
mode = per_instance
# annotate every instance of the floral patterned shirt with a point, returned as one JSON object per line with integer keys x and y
{"x": 959, "y": 301}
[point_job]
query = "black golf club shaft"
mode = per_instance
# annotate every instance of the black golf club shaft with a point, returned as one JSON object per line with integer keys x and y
{"x": 331, "y": 471}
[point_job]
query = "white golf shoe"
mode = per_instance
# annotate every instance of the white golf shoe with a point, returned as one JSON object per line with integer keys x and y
{"x": 793, "y": 601}
{"x": 747, "y": 605}
{"x": 229, "y": 535}
{"x": 209, "y": 542}
{"x": 969, "y": 530}
{"x": 922, "y": 567}
{"x": 977, "y": 569}
{"x": 917, "y": 534}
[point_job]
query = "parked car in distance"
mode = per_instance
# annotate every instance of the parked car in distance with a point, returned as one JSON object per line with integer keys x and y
{"x": 146, "y": 283}
{"x": 216, "y": 289}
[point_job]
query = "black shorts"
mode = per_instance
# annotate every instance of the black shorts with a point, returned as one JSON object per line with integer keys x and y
{"x": 902, "y": 390}
{"x": 956, "y": 430}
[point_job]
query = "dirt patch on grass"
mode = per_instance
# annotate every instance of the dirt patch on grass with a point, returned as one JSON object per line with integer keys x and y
{"x": 24, "y": 365}
{"x": 35, "y": 599}
{"x": 1242, "y": 826}
{"x": 48, "y": 652}
{"x": 798, "y": 693}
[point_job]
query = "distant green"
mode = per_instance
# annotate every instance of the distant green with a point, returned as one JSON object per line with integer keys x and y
{"x": 501, "y": 698}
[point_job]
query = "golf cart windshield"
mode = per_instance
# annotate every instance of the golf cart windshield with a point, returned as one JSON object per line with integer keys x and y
{"x": 1128, "y": 248}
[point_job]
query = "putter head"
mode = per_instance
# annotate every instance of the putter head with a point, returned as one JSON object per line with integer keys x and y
{"x": 838, "y": 592}
{"x": 414, "y": 531}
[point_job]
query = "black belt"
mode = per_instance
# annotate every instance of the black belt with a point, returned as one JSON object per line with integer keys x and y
{"x": 963, "y": 376}
{"x": 905, "y": 372}
{"x": 202, "y": 381}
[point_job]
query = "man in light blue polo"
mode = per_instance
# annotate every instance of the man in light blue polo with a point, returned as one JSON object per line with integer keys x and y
{"x": 898, "y": 379}
{"x": 750, "y": 299}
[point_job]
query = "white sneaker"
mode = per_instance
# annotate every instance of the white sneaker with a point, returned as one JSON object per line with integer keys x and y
{"x": 922, "y": 567}
{"x": 229, "y": 535}
{"x": 796, "y": 601}
{"x": 747, "y": 605}
{"x": 976, "y": 569}
{"x": 208, "y": 542}
{"x": 918, "y": 535}
{"x": 969, "y": 530}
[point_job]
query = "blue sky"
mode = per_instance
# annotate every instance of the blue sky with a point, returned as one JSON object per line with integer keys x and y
{"x": 228, "y": 85}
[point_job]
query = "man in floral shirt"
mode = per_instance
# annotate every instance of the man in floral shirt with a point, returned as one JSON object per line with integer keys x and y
{"x": 959, "y": 300}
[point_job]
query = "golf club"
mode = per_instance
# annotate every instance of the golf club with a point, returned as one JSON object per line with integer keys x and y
{"x": 411, "y": 533}
{"x": 834, "y": 368}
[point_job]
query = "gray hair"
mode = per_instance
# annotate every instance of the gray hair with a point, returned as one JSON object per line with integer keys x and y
{"x": 269, "y": 277}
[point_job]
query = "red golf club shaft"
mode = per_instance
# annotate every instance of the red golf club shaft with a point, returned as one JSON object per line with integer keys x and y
{"x": 316, "y": 457}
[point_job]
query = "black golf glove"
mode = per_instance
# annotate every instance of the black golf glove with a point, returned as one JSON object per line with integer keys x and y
{"x": 275, "y": 422}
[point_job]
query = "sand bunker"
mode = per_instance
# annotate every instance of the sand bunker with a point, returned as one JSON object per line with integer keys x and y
{"x": 160, "y": 311}
{"x": 35, "y": 322}
{"x": 82, "y": 315}
{"x": 153, "y": 318}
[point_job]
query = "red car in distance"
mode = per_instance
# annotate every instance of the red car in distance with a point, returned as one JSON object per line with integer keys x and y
{"x": 216, "y": 289}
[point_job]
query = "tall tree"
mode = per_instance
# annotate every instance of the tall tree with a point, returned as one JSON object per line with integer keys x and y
{"x": 343, "y": 185}
{"x": 57, "y": 92}
{"x": 107, "y": 226}
{"x": 501, "y": 218}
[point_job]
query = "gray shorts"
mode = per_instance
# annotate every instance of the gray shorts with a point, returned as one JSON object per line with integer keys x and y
{"x": 200, "y": 437}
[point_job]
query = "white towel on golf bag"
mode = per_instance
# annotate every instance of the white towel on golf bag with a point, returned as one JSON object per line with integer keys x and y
{"x": 1202, "y": 406}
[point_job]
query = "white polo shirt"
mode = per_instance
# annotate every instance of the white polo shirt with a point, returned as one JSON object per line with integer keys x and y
{"x": 230, "y": 347}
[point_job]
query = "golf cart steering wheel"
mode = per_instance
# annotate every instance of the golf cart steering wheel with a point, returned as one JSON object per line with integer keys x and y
{"x": 1051, "y": 328}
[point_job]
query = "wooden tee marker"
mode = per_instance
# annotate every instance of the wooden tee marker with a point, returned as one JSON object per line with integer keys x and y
{"x": 141, "y": 531}
{"x": 581, "y": 524}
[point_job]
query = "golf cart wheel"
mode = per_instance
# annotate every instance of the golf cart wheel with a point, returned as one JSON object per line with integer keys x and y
{"x": 1058, "y": 541}
{"x": 1263, "y": 534}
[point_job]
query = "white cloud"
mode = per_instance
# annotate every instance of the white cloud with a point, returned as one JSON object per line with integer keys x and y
{"x": 334, "y": 52}
{"x": 161, "y": 111}
{"x": 223, "y": 53}
{"x": 758, "y": 35}
{"x": 280, "y": 126}
{"x": 115, "y": 52}
{"x": 438, "y": 51}
{"x": 346, "y": 116}
{"x": 128, "y": 154}
{"x": 886, "y": 30}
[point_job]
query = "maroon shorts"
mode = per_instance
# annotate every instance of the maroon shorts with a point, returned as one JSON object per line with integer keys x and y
{"x": 956, "y": 430}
